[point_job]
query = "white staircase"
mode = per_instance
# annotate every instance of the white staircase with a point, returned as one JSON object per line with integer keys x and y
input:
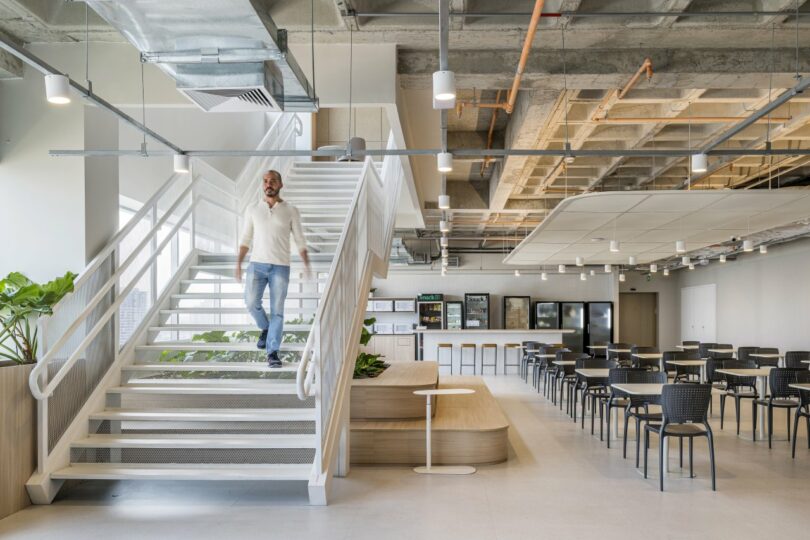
{"x": 189, "y": 396}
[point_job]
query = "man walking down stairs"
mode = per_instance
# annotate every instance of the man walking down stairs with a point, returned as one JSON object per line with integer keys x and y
{"x": 268, "y": 225}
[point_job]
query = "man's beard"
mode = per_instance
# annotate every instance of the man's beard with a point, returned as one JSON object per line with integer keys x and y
{"x": 270, "y": 192}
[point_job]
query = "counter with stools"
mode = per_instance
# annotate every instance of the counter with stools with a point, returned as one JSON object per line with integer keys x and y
{"x": 492, "y": 348}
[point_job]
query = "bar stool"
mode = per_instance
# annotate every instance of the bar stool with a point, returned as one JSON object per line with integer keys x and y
{"x": 514, "y": 347}
{"x": 461, "y": 364}
{"x": 439, "y": 355}
{"x": 494, "y": 365}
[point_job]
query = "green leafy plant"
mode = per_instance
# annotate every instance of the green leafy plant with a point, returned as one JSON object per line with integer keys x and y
{"x": 368, "y": 365}
{"x": 21, "y": 302}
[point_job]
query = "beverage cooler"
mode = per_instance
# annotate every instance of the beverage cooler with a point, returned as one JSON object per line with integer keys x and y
{"x": 599, "y": 327}
{"x": 517, "y": 312}
{"x": 572, "y": 317}
{"x": 547, "y": 315}
{"x": 454, "y": 315}
{"x": 476, "y": 312}
{"x": 431, "y": 314}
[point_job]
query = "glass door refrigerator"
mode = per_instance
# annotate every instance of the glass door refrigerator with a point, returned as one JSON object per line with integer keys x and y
{"x": 431, "y": 314}
{"x": 517, "y": 312}
{"x": 572, "y": 317}
{"x": 600, "y": 323}
{"x": 547, "y": 315}
{"x": 454, "y": 315}
{"x": 476, "y": 313}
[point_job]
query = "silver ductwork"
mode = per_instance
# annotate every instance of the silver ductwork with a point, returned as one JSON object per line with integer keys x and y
{"x": 225, "y": 55}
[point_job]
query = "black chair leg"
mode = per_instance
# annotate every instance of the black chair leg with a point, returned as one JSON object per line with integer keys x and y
{"x": 646, "y": 446}
{"x": 661, "y": 465}
{"x": 787, "y": 411}
{"x": 795, "y": 435}
{"x": 638, "y": 440}
{"x": 770, "y": 425}
{"x": 754, "y": 413}
{"x": 722, "y": 409}
{"x": 680, "y": 450}
{"x": 691, "y": 456}
{"x": 711, "y": 459}
{"x": 737, "y": 412}
{"x": 608, "y": 407}
{"x": 624, "y": 448}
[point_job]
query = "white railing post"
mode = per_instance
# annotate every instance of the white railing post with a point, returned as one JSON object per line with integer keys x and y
{"x": 42, "y": 405}
{"x": 153, "y": 279}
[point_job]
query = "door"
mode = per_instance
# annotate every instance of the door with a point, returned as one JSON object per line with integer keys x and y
{"x": 600, "y": 322}
{"x": 573, "y": 318}
{"x": 638, "y": 319}
{"x": 699, "y": 313}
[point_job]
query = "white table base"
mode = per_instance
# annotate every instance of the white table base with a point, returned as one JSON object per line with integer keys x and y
{"x": 428, "y": 468}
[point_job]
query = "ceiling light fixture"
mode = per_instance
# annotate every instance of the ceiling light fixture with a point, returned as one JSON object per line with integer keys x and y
{"x": 621, "y": 277}
{"x": 723, "y": 258}
{"x": 583, "y": 276}
{"x": 608, "y": 269}
{"x": 680, "y": 246}
{"x": 517, "y": 272}
{"x": 561, "y": 269}
{"x": 57, "y": 89}
{"x": 444, "y": 202}
{"x": 181, "y": 163}
{"x": 666, "y": 271}
{"x": 444, "y": 89}
{"x": 444, "y": 162}
{"x": 763, "y": 249}
{"x": 685, "y": 260}
{"x": 700, "y": 163}
{"x": 445, "y": 253}
{"x": 614, "y": 246}
{"x": 443, "y": 242}
{"x": 544, "y": 276}
{"x": 631, "y": 260}
{"x": 748, "y": 245}
{"x": 444, "y": 226}
{"x": 593, "y": 272}
{"x": 580, "y": 261}
{"x": 691, "y": 266}
{"x": 444, "y": 272}
{"x": 653, "y": 268}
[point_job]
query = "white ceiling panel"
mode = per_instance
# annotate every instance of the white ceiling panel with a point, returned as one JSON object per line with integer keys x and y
{"x": 648, "y": 223}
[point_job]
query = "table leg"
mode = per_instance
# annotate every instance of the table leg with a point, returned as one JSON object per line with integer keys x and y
{"x": 703, "y": 374}
{"x": 428, "y": 468}
{"x": 763, "y": 389}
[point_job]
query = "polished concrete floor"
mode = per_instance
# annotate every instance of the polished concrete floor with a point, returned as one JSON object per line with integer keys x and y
{"x": 560, "y": 482}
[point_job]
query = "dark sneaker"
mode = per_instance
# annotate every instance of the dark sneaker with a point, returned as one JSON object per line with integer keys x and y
{"x": 273, "y": 360}
{"x": 262, "y": 343}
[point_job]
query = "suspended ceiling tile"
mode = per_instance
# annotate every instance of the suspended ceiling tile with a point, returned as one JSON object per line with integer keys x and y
{"x": 752, "y": 201}
{"x": 609, "y": 202}
{"x": 634, "y": 248}
{"x": 702, "y": 219}
{"x": 622, "y": 235}
{"x": 660, "y": 235}
{"x": 712, "y": 237}
{"x": 675, "y": 202}
{"x": 581, "y": 249}
{"x": 559, "y": 237}
{"x": 643, "y": 220}
{"x": 544, "y": 248}
{"x": 579, "y": 221}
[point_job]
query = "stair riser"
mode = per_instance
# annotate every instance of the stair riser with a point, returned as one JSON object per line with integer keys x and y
{"x": 191, "y": 455}
{"x": 166, "y": 401}
{"x": 202, "y": 428}
{"x": 145, "y": 357}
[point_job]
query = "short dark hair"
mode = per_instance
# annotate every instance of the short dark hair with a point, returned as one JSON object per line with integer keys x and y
{"x": 274, "y": 172}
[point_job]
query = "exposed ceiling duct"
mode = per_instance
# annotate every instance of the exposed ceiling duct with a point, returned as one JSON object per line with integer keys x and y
{"x": 225, "y": 55}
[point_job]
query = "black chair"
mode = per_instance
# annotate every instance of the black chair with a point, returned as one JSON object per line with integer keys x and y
{"x": 649, "y": 364}
{"x": 624, "y": 359}
{"x": 614, "y": 399}
{"x": 527, "y": 357}
{"x": 545, "y": 367}
{"x": 684, "y": 408}
{"x": 744, "y": 354}
{"x": 721, "y": 355}
{"x": 684, "y": 373}
{"x": 639, "y": 406}
{"x": 590, "y": 387}
{"x": 578, "y": 382}
{"x": 717, "y": 380}
{"x": 703, "y": 349}
{"x": 565, "y": 376}
{"x": 802, "y": 377}
{"x": 781, "y": 396}
{"x": 737, "y": 387}
{"x": 764, "y": 362}
{"x": 600, "y": 353}
{"x": 691, "y": 343}
{"x": 796, "y": 359}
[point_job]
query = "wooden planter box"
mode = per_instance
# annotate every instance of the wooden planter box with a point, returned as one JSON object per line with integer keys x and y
{"x": 18, "y": 422}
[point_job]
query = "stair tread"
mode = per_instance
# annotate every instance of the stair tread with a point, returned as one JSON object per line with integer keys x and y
{"x": 206, "y": 415}
{"x": 203, "y": 382}
{"x": 238, "y": 295}
{"x": 252, "y": 367}
{"x": 180, "y": 471}
{"x": 226, "y": 311}
{"x": 224, "y": 327}
{"x": 200, "y": 346}
{"x": 192, "y": 440}
{"x": 202, "y": 390}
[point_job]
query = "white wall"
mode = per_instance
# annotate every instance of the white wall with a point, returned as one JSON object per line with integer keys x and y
{"x": 762, "y": 300}
{"x": 485, "y": 274}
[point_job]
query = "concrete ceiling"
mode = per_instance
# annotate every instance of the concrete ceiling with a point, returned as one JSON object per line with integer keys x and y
{"x": 711, "y": 69}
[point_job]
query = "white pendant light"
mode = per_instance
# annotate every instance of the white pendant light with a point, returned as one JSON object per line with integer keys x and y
{"x": 614, "y": 246}
{"x": 517, "y": 272}
{"x": 561, "y": 269}
{"x": 583, "y": 276}
{"x": 181, "y": 163}
{"x": 653, "y": 268}
{"x": 444, "y": 242}
{"x": 57, "y": 89}
{"x": 763, "y": 249}
{"x": 621, "y": 277}
{"x": 723, "y": 258}
{"x": 444, "y": 226}
{"x": 748, "y": 245}
{"x": 580, "y": 261}
{"x": 445, "y": 253}
{"x": 592, "y": 272}
{"x": 444, "y": 162}
{"x": 444, "y": 202}
{"x": 444, "y": 89}
{"x": 608, "y": 269}
{"x": 691, "y": 266}
{"x": 685, "y": 260}
{"x": 631, "y": 260}
{"x": 680, "y": 246}
{"x": 666, "y": 271}
{"x": 544, "y": 276}
{"x": 700, "y": 163}
{"x": 444, "y": 272}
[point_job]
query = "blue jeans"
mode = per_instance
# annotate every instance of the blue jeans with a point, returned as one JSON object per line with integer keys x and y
{"x": 259, "y": 276}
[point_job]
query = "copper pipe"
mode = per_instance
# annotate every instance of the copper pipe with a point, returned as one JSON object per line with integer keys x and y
{"x": 524, "y": 55}
{"x": 646, "y": 66}
{"x": 684, "y": 120}
{"x": 492, "y": 121}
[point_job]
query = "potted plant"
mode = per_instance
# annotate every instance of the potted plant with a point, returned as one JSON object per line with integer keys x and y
{"x": 368, "y": 365}
{"x": 21, "y": 302}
